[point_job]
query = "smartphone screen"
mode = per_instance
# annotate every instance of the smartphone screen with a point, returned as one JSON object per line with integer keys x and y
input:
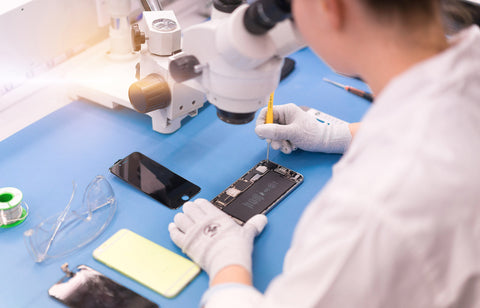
{"x": 146, "y": 262}
{"x": 88, "y": 288}
{"x": 155, "y": 180}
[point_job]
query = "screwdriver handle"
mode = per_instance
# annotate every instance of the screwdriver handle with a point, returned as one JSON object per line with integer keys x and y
{"x": 269, "y": 116}
{"x": 369, "y": 97}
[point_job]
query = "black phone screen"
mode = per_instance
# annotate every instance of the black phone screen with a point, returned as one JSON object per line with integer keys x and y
{"x": 87, "y": 288}
{"x": 155, "y": 180}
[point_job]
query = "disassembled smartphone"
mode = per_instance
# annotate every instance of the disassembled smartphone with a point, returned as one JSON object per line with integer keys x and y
{"x": 87, "y": 288}
{"x": 257, "y": 191}
{"x": 154, "y": 179}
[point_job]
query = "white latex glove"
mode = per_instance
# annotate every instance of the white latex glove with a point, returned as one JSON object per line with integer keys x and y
{"x": 294, "y": 128}
{"x": 213, "y": 239}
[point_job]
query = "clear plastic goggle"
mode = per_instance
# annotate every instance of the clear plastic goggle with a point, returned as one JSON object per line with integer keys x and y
{"x": 77, "y": 225}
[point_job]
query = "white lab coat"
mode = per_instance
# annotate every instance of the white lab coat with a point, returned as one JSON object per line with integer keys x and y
{"x": 398, "y": 225}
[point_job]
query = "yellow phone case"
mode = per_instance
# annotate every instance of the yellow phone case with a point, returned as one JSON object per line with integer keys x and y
{"x": 148, "y": 263}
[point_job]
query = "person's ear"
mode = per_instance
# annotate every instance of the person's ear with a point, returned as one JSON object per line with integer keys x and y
{"x": 334, "y": 12}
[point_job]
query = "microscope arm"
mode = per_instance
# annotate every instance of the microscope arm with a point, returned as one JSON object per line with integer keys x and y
{"x": 151, "y": 5}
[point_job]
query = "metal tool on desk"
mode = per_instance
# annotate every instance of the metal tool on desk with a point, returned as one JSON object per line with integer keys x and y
{"x": 368, "y": 96}
{"x": 269, "y": 120}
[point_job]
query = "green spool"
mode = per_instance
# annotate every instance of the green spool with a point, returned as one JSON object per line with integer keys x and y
{"x": 10, "y": 207}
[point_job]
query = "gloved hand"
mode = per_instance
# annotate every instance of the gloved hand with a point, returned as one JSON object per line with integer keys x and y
{"x": 213, "y": 239}
{"x": 294, "y": 128}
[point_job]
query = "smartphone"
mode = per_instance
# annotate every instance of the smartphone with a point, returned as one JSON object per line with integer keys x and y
{"x": 155, "y": 180}
{"x": 87, "y": 288}
{"x": 150, "y": 264}
{"x": 257, "y": 191}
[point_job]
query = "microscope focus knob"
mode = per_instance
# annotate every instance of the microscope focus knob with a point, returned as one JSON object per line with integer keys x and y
{"x": 138, "y": 37}
{"x": 150, "y": 93}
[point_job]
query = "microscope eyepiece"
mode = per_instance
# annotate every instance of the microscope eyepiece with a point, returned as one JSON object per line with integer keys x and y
{"x": 227, "y": 6}
{"x": 263, "y": 15}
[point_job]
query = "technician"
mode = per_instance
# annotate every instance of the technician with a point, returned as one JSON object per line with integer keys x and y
{"x": 398, "y": 224}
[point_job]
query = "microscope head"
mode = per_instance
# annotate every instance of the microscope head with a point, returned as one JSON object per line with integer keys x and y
{"x": 237, "y": 59}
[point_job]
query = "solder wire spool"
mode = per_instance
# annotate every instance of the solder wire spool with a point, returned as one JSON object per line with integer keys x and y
{"x": 11, "y": 211}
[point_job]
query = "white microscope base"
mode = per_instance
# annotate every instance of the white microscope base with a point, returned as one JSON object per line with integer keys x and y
{"x": 104, "y": 80}
{"x": 101, "y": 79}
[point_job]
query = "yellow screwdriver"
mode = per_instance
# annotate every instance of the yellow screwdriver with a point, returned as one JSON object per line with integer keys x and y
{"x": 269, "y": 119}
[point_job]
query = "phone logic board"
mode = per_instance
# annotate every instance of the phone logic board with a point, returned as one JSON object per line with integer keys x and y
{"x": 257, "y": 191}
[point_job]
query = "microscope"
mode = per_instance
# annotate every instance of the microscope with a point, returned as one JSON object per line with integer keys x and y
{"x": 156, "y": 93}
{"x": 234, "y": 61}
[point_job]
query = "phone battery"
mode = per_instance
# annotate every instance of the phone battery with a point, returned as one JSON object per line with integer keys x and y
{"x": 257, "y": 191}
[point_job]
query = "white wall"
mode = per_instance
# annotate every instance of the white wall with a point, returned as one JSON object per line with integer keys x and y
{"x": 38, "y": 43}
{"x": 35, "y": 37}
{"x": 40, "y": 33}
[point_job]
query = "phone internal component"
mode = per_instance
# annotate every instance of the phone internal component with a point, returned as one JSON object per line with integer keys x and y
{"x": 257, "y": 191}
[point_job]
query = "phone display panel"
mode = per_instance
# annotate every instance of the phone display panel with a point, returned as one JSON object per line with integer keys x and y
{"x": 155, "y": 180}
{"x": 87, "y": 288}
